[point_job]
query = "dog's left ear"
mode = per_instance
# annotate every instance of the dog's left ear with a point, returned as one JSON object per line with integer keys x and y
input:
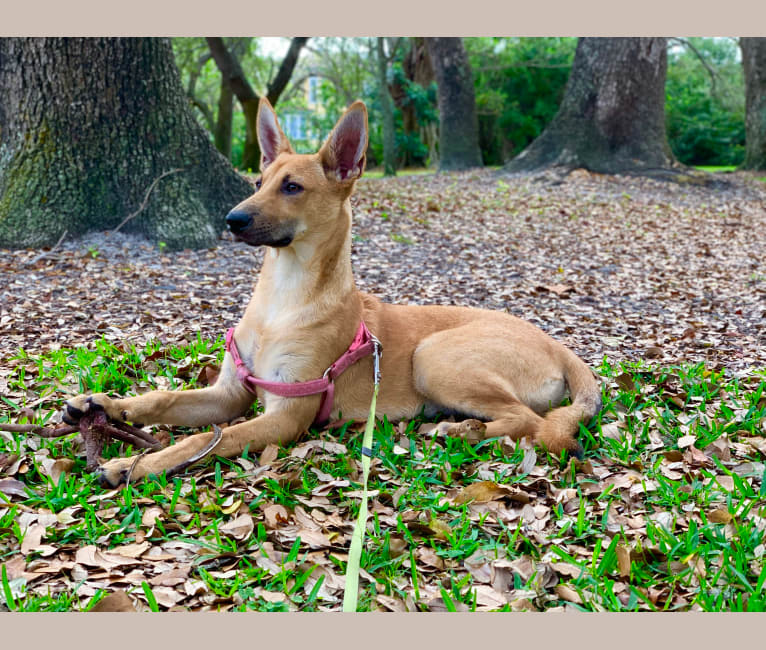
{"x": 343, "y": 153}
{"x": 271, "y": 138}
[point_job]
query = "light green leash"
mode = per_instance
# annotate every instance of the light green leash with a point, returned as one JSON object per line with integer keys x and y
{"x": 351, "y": 593}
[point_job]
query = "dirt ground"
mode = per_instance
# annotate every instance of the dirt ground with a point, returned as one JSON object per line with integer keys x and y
{"x": 621, "y": 267}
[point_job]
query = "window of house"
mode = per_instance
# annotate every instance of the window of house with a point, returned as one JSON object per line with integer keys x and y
{"x": 295, "y": 126}
{"x": 313, "y": 90}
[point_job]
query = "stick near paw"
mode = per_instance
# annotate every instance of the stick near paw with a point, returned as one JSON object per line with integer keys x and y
{"x": 96, "y": 430}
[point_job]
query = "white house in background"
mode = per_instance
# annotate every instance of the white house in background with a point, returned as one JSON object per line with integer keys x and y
{"x": 296, "y": 123}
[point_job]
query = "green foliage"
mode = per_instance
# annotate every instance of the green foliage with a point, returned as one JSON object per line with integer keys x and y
{"x": 519, "y": 84}
{"x": 706, "y": 112}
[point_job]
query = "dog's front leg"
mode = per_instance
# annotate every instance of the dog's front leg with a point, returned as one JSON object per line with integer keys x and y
{"x": 279, "y": 427}
{"x": 222, "y": 402}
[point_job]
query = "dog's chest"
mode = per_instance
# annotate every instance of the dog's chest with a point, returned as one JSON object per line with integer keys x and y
{"x": 273, "y": 355}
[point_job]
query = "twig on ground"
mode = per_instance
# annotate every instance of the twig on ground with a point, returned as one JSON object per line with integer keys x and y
{"x": 146, "y": 198}
{"x": 44, "y": 432}
{"x": 46, "y": 253}
{"x": 96, "y": 430}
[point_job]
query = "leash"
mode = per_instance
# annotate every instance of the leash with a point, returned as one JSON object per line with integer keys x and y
{"x": 351, "y": 591}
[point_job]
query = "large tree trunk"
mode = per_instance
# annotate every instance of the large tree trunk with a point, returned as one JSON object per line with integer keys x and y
{"x": 458, "y": 124}
{"x": 754, "y": 63}
{"x": 86, "y": 126}
{"x": 612, "y": 116}
{"x": 387, "y": 109}
{"x": 234, "y": 76}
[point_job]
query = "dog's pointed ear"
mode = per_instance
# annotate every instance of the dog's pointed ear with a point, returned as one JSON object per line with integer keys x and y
{"x": 271, "y": 138}
{"x": 343, "y": 153}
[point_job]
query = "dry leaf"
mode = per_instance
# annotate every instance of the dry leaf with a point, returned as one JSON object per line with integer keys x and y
{"x": 12, "y": 488}
{"x": 565, "y": 592}
{"x": 276, "y": 515}
{"x": 239, "y": 528}
{"x": 268, "y": 455}
{"x": 117, "y": 601}
{"x": 719, "y": 516}
{"x": 484, "y": 491}
{"x": 623, "y": 560}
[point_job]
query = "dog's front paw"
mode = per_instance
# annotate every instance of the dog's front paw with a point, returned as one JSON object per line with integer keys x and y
{"x": 114, "y": 472}
{"x": 75, "y": 408}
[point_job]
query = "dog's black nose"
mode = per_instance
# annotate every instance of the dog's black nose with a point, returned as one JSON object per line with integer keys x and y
{"x": 238, "y": 221}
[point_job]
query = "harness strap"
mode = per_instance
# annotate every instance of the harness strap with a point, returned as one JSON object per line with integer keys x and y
{"x": 362, "y": 345}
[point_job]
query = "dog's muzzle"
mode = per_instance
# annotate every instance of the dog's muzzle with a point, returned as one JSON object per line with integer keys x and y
{"x": 237, "y": 221}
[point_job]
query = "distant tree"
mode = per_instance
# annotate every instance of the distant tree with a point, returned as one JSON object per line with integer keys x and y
{"x": 519, "y": 87}
{"x": 754, "y": 64}
{"x": 210, "y": 94}
{"x": 612, "y": 116}
{"x": 458, "y": 125}
{"x": 413, "y": 91}
{"x": 386, "y": 105}
{"x": 234, "y": 76}
{"x": 705, "y": 101}
{"x": 87, "y": 127}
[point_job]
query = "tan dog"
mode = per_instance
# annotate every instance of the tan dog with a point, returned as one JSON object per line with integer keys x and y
{"x": 305, "y": 312}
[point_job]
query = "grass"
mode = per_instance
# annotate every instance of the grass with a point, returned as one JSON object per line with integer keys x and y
{"x": 716, "y": 168}
{"x": 377, "y": 172}
{"x": 656, "y": 530}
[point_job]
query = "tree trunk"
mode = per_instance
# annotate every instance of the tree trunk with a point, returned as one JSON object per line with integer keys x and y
{"x": 417, "y": 69}
{"x": 612, "y": 116}
{"x": 389, "y": 131}
{"x": 224, "y": 120}
{"x": 86, "y": 126}
{"x": 234, "y": 76}
{"x": 458, "y": 124}
{"x": 754, "y": 63}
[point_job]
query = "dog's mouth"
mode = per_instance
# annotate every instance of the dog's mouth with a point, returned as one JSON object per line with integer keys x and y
{"x": 264, "y": 234}
{"x": 276, "y": 243}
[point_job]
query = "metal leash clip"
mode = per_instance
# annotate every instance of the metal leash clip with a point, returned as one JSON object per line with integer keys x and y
{"x": 377, "y": 354}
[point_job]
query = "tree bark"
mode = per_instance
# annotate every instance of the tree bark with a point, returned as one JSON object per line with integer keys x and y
{"x": 754, "y": 64}
{"x": 232, "y": 73}
{"x": 417, "y": 69}
{"x": 612, "y": 116}
{"x": 223, "y": 125}
{"x": 389, "y": 131}
{"x": 86, "y": 126}
{"x": 458, "y": 124}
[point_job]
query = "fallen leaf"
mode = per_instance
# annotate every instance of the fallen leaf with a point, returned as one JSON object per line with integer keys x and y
{"x": 131, "y": 550}
{"x": 151, "y": 515}
{"x": 268, "y": 455}
{"x": 239, "y": 528}
{"x": 117, "y": 601}
{"x": 171, "y": 578}
{"x": 623, "y": 560}
{"x": 719, "y": 516}
{"x": 276, "y": 515}
{"x": 565, "y": 592}
{"x": 13, "y": 488}
{"x": 483, "y": 491}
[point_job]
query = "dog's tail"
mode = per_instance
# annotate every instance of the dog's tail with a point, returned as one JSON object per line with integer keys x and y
{"x": 560, "y": 426}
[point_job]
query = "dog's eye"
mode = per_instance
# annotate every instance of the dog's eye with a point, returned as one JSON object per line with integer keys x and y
{"x": 258, "y": 183}
{"x": 291, "y": 188}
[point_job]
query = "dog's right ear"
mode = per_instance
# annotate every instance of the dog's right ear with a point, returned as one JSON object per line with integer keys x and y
{"x": 271, "y": 138}
{"x": 343, "y": 153}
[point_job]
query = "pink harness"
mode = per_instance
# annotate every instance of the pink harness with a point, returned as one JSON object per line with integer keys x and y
{"x": 364, "y": 344}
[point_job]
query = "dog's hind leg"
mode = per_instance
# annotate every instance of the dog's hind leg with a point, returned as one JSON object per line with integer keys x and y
{"x": 483, "y": 376}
